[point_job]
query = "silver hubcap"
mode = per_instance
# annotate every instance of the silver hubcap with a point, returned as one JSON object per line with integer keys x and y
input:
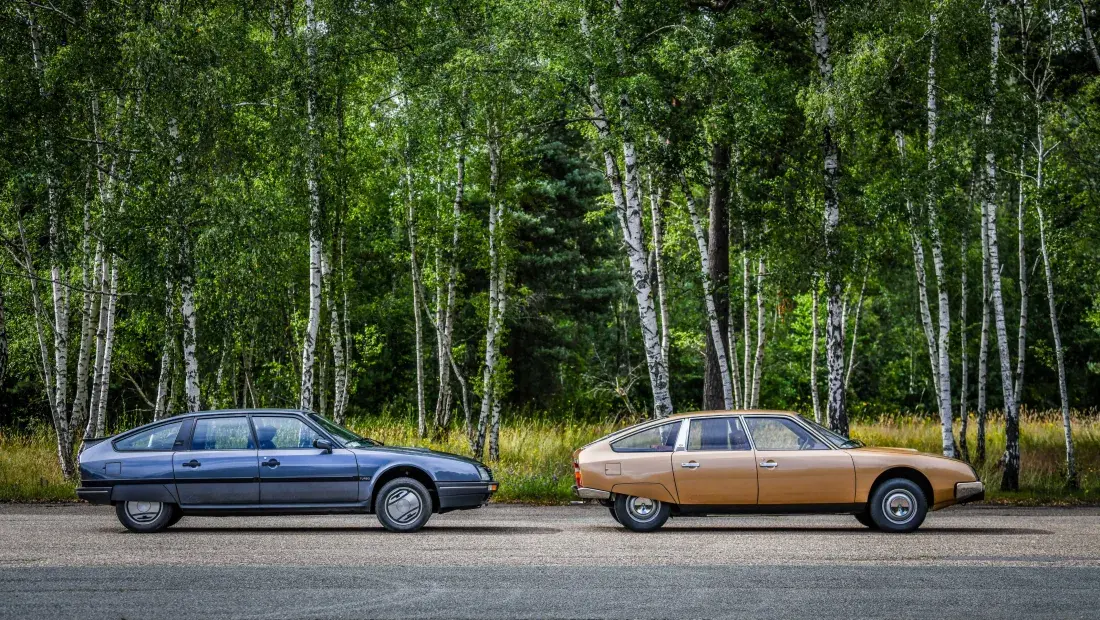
{"x": 403, "y": 505}
{"x": 642, "y": 508}
{"x": 899, "y": 506}
{"x": 143, "y": 512}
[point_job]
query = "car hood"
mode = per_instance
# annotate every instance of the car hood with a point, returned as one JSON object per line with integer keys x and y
{"x": 419, "y": 452}
{"x": 900, "y": 451}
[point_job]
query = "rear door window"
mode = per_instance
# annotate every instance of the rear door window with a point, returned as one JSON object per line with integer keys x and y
{"x": 660, "y": 438}
{"x": 223, "y": 434}
{"x": 717, "y": 434}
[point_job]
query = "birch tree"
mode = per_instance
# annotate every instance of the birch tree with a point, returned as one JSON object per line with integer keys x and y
{"x": 309, "y": 343}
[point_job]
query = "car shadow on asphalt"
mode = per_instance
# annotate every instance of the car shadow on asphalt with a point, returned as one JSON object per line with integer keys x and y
{"x": 854, "y": 531}
{"x": 465, "y": 530}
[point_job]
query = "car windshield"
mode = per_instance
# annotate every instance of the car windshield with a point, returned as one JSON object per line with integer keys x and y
{"x": 838, "y": 440}
{"x": 343, "y": 435}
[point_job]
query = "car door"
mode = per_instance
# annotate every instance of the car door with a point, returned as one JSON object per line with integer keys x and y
{"x": 796, "y": 468}
{"x": 716, "y": 466}
{"x": 642, "y": 463}
{"x": 292, "y": 471}
{"x": 220, "y": 465}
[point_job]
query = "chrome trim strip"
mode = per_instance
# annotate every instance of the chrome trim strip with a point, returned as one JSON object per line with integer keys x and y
{"x": 587, "y": 493}
{"x": 964, "y": 490}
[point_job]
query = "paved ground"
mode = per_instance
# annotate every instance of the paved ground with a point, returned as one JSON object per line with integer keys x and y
{"x": 565, "y": 562}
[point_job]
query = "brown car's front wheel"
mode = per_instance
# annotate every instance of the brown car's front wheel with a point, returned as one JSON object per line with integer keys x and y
{"x": 640, "y": 514}
{"x": 898, "y": 505}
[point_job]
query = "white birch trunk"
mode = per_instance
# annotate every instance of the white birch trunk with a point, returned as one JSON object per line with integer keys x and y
{"x": 88, "y": 319}
{"x": 758, "y": 362}
{"x": 983, "y": 342}
{"x": 658, "y": 225}
{"x": 1072, "y": 482}
{"x": 313, "y": 323}
{"x": 943, "y": 365}
{"x": 491, "y": 329}
{"x": 834, "y": 337}
{"x": 628, "y": 209}
{"x": 336, "y": 336}
{"x": 746, "y": 325}
{"x": 190, "y": 334}
{"x": 108, "y": 352}
{"x": 855, "y": 334}
{"x": 103, "y": 302}
{"x": 964, "y": 401}
{"x": 708, "y": 297}
{"x": 445, "y": 326}
{"x": 1090, "y": 42}
{"x": 813, "y": 354}
{"x": 410, "y": 223}
{"x": 160, "y": 405}
{"x": 1021, "y": 333}
{"x": 494, "y": 429}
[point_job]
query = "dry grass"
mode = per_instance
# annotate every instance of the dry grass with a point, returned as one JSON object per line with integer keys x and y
{"x": 536, "y": 465}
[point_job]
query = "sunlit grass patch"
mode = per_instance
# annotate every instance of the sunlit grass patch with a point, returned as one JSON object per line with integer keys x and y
{"x": 29, "y": 471}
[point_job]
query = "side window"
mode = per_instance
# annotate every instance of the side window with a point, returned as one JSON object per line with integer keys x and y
{"x": 717, "y": 434}
{"x": 654, "y": 439}
{"x": 158, "y": 438}
{"x": 279, "y": 433}
{"x": 222, "y": 434}
{"x": 782, "y": 434}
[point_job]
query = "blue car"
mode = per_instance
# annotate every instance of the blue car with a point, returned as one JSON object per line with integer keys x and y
{"x": 271, "y": 462}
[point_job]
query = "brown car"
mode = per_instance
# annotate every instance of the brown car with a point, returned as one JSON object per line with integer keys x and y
{"x": 763, "y": 462}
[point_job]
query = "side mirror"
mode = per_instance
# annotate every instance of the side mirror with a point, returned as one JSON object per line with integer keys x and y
{"x": 323, "y": 444}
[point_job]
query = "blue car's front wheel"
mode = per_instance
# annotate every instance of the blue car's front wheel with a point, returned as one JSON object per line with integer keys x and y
{"x": 146, "y": 517}
{"x": 403, "y": 505}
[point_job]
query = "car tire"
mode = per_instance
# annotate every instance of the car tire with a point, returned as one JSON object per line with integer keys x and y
{"x": 611, "y": 508}
{"x": 865, "y": 519}
{"x": 640, "y": 514}
{"x": 403, "y": 505}
{"x": 145, "y": 517}
{"x": 177, "y": 514}
{"x": 898, "y": 505}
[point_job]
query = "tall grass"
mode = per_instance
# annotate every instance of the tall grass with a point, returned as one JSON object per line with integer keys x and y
{"x": 535, "y": 458}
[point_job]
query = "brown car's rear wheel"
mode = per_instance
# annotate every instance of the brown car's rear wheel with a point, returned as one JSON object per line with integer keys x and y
{"x": 640, "y": 514}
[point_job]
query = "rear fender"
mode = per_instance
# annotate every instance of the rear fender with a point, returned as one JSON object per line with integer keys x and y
{"x": 144, "y": 493}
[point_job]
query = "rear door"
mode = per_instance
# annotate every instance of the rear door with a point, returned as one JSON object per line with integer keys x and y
{"x": 292, "y": 471}
{"x": 220, "y": 465}
{"x": 716, "y": 466}
{"x": 796, "y": 468}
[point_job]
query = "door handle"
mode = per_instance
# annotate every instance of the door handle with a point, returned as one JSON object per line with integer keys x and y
{"x": 271, "y": 463}
{"x": 192, "y": 463}
{"x": 769, "y": 464}
{"x": 690, "y": 465}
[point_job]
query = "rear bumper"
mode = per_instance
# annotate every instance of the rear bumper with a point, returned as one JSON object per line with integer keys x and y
{"x": 465, "y": 495}
{"x": 966, "y": 492}
{"x": 587, "y": 493}
{"x": 95, "y": 495}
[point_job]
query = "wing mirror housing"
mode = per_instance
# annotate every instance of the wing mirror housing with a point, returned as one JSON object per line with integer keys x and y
{"x": 323, "y": 444}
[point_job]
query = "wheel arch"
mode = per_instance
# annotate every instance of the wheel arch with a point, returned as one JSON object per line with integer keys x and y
{"x": 908, "y": 473}
{"x": 405, "y": 470}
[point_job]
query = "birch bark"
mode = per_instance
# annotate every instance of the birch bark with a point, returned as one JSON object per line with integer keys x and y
{"x": 719, "y": 271}
{"x": 628, "y": 209}
{"x": 190, "y": 330}
{"x": 160, "y": 405}
{"x": 336, "y": 336}
{"x": 964, "y": 400}
{"x": 410, "y": 224}
{"x": 313, "y": 324}
{"x": 489, "y": 375}
{"x": 834, "y": 337}
{"x": 658, "y": 225}
{"x": 758, "y": 362}
{"x": 445, "y": 328}
{"x": 983, "y": 343}
{"x": 716, "y": 337}
{"x": 813, "y": 354}
{"x": 1021, "y": 333}
{"x": 1090, "y": 42}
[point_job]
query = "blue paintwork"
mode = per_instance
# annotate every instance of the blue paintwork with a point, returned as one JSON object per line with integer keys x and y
{"x": 241, "y": 479}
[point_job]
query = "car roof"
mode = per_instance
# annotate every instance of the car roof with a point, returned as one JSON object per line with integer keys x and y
{"x": 192, "y": 414}
{"x": 721, "y": 412}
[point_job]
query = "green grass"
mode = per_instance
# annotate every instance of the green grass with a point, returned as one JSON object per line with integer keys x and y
{"x": 536, "y": 466}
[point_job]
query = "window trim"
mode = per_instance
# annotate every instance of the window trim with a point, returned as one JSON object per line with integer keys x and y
{"x": 191, "y": 440}
{"x": 611, "y": 444}
{"x": 744, "y": 428}
{"x": 301, "y": 418}
{"x": 828, "y": 445}
{"x": 148, "y": 427}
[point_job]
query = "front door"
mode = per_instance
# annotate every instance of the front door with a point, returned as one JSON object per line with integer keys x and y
{"x": 292, "y": 471}
{"x": 716, "y": 467}
{"x": 796, "y": 468}
{"x": 220, "y": 466}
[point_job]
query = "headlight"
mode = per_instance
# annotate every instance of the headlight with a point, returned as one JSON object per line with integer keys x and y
{"x": 484, "y": 473}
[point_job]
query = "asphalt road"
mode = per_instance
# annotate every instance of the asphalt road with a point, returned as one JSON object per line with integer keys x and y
{"x": 534, "y": 562}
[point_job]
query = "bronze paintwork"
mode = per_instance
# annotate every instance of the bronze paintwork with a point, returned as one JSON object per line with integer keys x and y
{"x": 734, "y": 478}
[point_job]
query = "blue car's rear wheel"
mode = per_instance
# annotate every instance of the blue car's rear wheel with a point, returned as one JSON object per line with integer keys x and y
{"x": 403, "y": 505}
{"x": 146, "y": 517}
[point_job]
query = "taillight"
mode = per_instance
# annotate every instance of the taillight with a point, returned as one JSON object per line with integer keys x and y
{"x": 577, "y": 473}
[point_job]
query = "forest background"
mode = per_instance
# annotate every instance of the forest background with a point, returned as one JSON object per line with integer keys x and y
{"x": 506, "y": 227}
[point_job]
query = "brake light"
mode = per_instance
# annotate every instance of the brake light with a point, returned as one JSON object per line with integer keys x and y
{"x": 577, "y": 473}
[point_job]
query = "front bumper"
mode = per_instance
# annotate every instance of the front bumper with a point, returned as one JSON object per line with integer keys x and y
{"x": 587, "y": 493}
{"x": 94, "y": 495}
{"x": 465, "y": 495}
{"x": 966, "y": 492}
